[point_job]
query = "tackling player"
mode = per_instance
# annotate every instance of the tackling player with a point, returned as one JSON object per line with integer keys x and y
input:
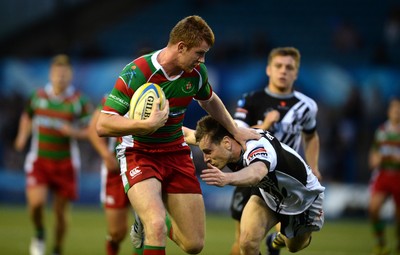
{"x": 285, "y": 189}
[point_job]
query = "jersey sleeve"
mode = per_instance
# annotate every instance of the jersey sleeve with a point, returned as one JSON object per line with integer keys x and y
{"x": 129, "y": 80}
{"x": 102, "y": 102}
{"x": 260, "y": 150}
{"x": 29, "y": 109}
{"x": 87, "y": 110}
{"x": 310, "y": 124}
{"x": 376, "y": 139}
{"x": 118, "y": 100}
{"x": 205, "y": 89}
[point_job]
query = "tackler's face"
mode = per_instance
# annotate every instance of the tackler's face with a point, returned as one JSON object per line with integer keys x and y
{"x": 217, "y": 154}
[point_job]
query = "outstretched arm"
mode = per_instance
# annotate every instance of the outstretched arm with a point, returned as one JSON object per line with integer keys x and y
{"x": 248, "y": 176}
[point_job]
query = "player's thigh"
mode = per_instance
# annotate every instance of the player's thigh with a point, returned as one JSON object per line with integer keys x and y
{"x": 145, "y": 198}
{"x": 376, "y": 201}
{"x": 36, "y": 195}
{"x": 187, "y": 213}
{"x": 257, "y": 220}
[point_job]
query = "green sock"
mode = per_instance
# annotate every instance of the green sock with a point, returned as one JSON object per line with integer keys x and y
{"x": 138, "y": 251}
{"x": 40, "y": 233}
{"x": 379, "y": 232}
{"x": 378, "y": 226}
{"x": 169, "y": 226}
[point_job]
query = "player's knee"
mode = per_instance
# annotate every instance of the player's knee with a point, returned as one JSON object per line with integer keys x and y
{"x": 248, "y": 245}
{"x": 193, "y": 247}
{"x": 156, "y": 228}
{"x": 117, "y": 235}
{"x": 298, "y": 246}
{"x": 294, "y": 249}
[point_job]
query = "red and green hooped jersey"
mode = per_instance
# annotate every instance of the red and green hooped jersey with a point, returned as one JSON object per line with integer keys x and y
{"x": 49, "y": 113}
{"x": 178, "y": 90}
{"x": 112, "y": 141}
{"x": 387, "y": 143}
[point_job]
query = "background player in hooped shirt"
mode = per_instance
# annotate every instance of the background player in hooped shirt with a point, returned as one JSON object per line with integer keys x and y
{"x": 115, "y": 202}
{"x": 285, "y": 189}
{"x": 384, "y": 161}
{"x": 53, "y": 161}
{"x": 156, "y": 168}
{"x": 288, "y": 114}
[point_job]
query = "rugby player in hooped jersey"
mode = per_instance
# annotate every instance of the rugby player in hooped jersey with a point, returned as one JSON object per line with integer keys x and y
{"x": 155, "y": 161}
{"x": 53, "y": 161}
{"x": 284, "y": 188}
{"x": 112, "y": 195}
{"x": 384, "y": 162}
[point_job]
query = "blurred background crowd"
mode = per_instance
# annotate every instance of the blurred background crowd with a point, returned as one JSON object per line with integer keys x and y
{"x": 350, "y": 60}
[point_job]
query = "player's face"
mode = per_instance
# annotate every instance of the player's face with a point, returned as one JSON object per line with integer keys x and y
{"x": 215, "y": 154}
{"x": 60, "y": 77}
{"x": 190, "y": 58}
{"x": 394, "y": 111}
{"x": 282, "y": 72}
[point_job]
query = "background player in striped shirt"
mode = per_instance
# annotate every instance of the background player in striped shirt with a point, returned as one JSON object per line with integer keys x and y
{"x": 115, "y": 202}
{"x": 384, "y": 160}
{"x": 288, "y": 114}
{"x": 284, "y": 188}
{"x": 55, "y": 116}
{"x": 155, "y": 161}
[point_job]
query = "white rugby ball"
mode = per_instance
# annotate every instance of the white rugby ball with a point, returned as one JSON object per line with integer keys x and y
{"x": 143, "y": 99}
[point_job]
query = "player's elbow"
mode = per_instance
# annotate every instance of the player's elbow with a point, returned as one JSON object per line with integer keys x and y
{"x": 103, "y": 124}
{"x": 257, "y": 179}
{"x": 100, "y": 130}
{"x": 259, "y": 171}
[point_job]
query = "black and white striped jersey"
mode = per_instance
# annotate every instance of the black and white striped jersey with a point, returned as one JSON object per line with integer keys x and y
{"x": 298, "y": 114}
{"x": 289, "y": 187}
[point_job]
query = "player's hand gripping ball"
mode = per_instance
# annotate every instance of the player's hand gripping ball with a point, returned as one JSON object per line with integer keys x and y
{"x": 142, "y": 101}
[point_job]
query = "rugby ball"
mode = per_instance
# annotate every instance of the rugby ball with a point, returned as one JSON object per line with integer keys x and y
{"x": 143, "y": 99}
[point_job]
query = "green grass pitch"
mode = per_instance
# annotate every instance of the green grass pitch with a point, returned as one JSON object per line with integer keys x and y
{"x": 87, "y": 232}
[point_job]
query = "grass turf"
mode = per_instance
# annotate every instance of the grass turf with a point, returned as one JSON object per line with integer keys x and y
{"x": 87, "y": 232}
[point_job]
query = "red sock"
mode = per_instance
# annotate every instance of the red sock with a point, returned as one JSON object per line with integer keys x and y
{"x": 112, "y": 247}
